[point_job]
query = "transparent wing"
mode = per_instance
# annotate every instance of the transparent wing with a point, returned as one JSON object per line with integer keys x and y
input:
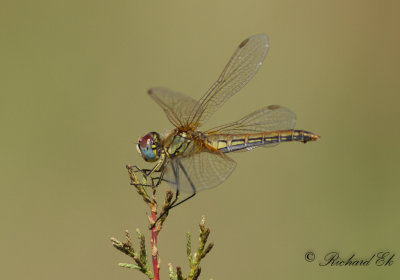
{"x": 198, "y": 172}
{"x": 242, "y": 66}
{"x": 270, "y": 118}
{"x": 177, "y": 107}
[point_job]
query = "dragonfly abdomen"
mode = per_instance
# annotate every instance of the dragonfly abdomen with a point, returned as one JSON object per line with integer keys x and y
{"x": 235, "y": 142}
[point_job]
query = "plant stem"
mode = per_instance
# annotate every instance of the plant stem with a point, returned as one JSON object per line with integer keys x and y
{"x": 154, "y": 250}
{"x": 156, "y": 224}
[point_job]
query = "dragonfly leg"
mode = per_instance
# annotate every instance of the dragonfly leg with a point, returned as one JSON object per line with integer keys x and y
{"x": 166, "y": 210}
{"x": 182, "y": 201}
{"x": 156, "y": 181}
{"x": 148, "y": 173}
{"x": 174, "y": 204}
{"x": 145, "y": 172}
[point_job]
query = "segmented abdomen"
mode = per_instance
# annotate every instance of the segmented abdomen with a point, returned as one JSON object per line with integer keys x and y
{"x": 234, "y": 142}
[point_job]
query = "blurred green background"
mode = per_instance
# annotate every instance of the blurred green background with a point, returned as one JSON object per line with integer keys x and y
{"x": 74, "y": 76}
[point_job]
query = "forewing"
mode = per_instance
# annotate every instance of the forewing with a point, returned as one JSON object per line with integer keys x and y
{"x": 198, "y": 172}
{"x": 177, "y": 107}
{"x": 270, "y": 118}
{"x": 242, "y": 66}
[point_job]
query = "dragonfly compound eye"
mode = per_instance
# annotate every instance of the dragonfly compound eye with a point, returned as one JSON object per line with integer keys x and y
{"x": 148, "y": 146}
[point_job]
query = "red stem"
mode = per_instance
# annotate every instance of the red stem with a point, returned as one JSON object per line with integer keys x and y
{"x": 154, "y": 251}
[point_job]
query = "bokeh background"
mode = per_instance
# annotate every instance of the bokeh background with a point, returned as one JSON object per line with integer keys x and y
{"x": 73, "y": 102}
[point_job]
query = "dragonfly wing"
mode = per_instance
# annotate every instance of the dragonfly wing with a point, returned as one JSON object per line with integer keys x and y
{"x": 270, "y": 118}
{"x": 242, "y": 66}
{"x": 176, "y": 106}
{"x": 198, "y": 172}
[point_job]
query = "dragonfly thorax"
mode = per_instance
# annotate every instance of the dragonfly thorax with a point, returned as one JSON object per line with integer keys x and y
{"x": 181, "y": 143}
{"x": 149, "y": 146}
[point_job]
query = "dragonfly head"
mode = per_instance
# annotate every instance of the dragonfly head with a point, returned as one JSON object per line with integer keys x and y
{"x": 149, "y": 146}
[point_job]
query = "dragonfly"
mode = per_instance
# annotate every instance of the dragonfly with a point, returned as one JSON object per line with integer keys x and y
{"x": 192, "y": 160}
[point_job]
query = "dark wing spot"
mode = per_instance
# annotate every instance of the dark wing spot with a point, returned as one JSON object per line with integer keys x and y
{"x": 242, "y": 44}
{"x": 273, "y": 107}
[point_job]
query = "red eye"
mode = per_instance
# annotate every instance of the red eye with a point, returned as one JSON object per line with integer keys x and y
{"x": 145, "y": 141}
{"x": 148, "y": 146}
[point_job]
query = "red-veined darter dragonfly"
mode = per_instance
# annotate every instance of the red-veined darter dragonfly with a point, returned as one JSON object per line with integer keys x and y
{"x": 192, "y": 160}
